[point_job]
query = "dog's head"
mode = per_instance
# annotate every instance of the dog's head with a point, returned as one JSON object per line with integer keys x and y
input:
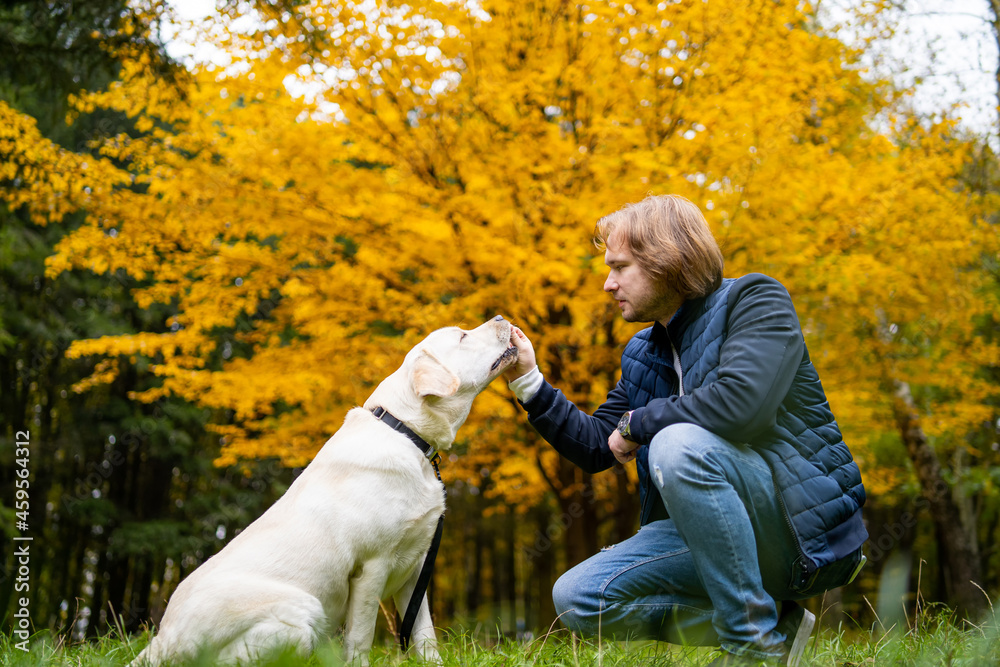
{"x": 455, "y": 361}
{"x": 432, "y": 392}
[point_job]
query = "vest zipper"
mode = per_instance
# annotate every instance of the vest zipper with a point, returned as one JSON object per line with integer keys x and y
{"x": 645, "y": 502}
{"x": 650, "y": 487}
{"x": 801, "y": 579}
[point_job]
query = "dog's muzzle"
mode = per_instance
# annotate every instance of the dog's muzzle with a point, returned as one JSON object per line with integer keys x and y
{"x": 508, "y": 355}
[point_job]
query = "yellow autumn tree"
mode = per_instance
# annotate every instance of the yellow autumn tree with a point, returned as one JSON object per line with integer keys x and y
{"x": 438, "y": 163}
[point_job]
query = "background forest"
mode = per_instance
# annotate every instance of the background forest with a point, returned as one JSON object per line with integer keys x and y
{"x": 204, "y": 267}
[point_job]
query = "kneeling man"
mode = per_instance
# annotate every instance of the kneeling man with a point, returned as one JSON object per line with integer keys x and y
{"x": 749, "y": 497}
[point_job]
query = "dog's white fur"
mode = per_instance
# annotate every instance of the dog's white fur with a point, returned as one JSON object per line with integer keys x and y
{"x": 351, "y": 530}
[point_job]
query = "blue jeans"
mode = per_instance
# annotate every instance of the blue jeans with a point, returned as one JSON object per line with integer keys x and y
{"x": 711, "y": 573}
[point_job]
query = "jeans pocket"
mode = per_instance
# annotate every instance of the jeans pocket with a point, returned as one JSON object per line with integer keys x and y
{"x": 830, "y": 576}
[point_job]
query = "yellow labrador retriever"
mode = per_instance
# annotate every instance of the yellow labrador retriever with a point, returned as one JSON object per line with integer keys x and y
{"x": 352, "y": 529}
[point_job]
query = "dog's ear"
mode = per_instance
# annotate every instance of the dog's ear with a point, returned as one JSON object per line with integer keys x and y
{"x": 432, "y": 378}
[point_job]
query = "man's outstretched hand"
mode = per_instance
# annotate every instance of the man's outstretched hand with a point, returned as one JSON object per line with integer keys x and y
{"x": 624, "y": 450}
{"x": 525, "y": 355}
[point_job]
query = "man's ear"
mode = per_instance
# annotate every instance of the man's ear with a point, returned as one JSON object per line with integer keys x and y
{"x": 431, "y": 378}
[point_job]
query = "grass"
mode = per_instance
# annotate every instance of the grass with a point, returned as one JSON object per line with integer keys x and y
{"x": 933, "y": 639}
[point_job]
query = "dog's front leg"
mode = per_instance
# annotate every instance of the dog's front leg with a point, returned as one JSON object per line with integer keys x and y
{"x": 366, "y": 590}
{"x": 423, "y": 638}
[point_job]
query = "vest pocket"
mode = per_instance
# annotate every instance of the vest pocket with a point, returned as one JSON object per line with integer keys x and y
{"x": 834, "y": 575}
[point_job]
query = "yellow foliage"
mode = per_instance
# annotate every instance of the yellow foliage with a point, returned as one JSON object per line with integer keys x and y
{"x": 448, "y": 164}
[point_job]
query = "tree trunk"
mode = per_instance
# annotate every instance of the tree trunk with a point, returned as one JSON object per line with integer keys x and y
{"x": 543, "y": 577}
{"x": 626, "y": 511}
{"x": 960, "y": 565}
{"x": 570, "y": 521}
{"x": 995, "y": 24}
{"x": 510, "y": 571}
{"x": 474, "y": 575}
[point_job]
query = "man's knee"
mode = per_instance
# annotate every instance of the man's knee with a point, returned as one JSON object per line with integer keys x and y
{"x": 567, "y": 594}
{"x": 676, "y": 446}
{"x": 562, "y": 594}
{"x": 574, "y": 601}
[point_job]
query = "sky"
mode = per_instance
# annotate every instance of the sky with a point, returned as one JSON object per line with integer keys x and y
{"x": 953, "y": 39}
{"x": 947, "y": 45}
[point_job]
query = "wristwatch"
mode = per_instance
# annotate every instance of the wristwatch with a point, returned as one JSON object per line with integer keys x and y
{"x": 623, "y": 425}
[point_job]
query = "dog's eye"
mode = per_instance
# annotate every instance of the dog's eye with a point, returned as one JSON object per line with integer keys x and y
{"x": 463, "y": 337}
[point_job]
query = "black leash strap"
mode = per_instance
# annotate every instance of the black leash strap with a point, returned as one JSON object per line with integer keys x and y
{"x": 424, "y": 578}
{"x": 406, "y": 627}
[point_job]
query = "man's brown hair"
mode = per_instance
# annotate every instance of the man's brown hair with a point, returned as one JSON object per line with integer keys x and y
{"x": 670, "y": 240}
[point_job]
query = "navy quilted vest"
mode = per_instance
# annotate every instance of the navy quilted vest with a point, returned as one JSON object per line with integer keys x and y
{"x": 818, "y": 482}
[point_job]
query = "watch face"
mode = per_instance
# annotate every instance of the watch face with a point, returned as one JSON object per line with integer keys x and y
{"x": 623, "y": 425}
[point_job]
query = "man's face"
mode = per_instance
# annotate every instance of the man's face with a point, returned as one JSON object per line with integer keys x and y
{"x": 640, "y": 298}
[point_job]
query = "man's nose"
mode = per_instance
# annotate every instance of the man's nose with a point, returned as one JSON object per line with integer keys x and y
{"x": 610, "y": 285}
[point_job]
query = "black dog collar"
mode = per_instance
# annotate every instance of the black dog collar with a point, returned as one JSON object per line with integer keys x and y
{"x": 381, "y": 414}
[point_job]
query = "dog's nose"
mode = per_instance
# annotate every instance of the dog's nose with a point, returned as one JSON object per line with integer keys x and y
{"x": 498, "y": 318}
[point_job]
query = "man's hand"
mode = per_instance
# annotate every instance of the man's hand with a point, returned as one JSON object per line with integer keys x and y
{"x": 525, "y": 355}
{"x": 624, "y": 450}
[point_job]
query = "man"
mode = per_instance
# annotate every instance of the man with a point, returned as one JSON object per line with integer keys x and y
{"x": 749, "y": 497}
